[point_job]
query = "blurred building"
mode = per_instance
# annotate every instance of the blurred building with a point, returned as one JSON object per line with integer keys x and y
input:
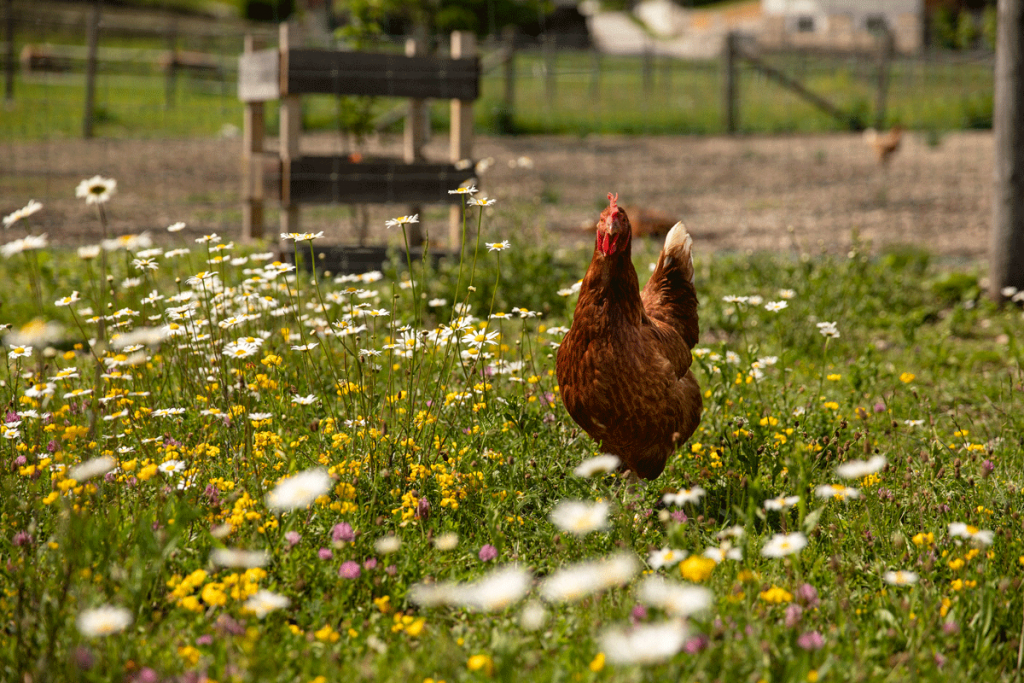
{"x": 843, "y": 24}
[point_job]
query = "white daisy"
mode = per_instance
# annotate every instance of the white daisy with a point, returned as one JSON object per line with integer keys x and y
{"x": 299, "y": 490}
{"x": 580, "y": 517}
{"x": 96, "y": 190}
{"x": 103, "y": 621}
{"x": 781, "y": 545}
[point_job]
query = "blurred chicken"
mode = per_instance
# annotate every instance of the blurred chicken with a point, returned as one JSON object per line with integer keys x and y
{"x": 645, "y": 222}
{"x": 884, "y": 144}
{"x": 624, "y": 366}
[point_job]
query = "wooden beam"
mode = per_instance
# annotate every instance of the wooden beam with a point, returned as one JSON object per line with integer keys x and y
{"x": 416, "y": 122}
{"x": 1006, "y": 254}
{"x": 290, "y": 130}
{"x": 386, "y": 75}
{"x": 730, "y": 79}
{"x": 259, "y": 75}
{"x": 463, "y": 47}
{"x": 886, "y": 48}
{"x": 338, "y": 180}
{"x": 253, "y": 134}
{"x": 798, "y": 88}
{"x": 90, "y": 69}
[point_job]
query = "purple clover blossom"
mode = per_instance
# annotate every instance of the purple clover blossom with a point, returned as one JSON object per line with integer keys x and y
{"x": 423, "y": 509}
{"x": 370, "y": 564}
{"x": 292, "y": 538}
{"x": 325, "y": 553}
{"x": 794, "y": 613}
{"x": 808, "y": 595}
{"x": 343, "y": 533}
{"x": 349, "y": 570}
{"x": 811, "y": 640}
{"x": 488, "y": 553}
{"x": 695, "y": 644}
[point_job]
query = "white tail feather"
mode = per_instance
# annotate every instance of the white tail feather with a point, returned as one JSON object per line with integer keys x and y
{"x": 677, "y": 245}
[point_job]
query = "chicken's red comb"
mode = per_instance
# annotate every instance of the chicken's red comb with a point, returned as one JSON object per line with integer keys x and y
{"x": 612, "y": 199}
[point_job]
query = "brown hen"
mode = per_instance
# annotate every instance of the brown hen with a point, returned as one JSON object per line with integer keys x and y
{"x": 884, "y": 144}
{"x": 624, "y": 366}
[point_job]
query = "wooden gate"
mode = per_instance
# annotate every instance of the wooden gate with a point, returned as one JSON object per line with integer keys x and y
{"x": 286, "y": 73}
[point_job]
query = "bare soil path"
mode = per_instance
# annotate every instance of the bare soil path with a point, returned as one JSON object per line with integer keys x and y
{"x": 808, "y": 193}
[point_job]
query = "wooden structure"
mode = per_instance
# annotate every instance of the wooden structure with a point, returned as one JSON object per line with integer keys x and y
{"x": 287, "y": 73}
{"x": 1006, "y": 253}
{"x": 734, "y": 52}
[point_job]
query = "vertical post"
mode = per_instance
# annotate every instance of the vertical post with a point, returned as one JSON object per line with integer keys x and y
{"x": 1006, "y": 255}
{"x": 90, "y": 69}
{"x": 171, "y": 77}
{"x": 509, "y": 36}
{"x": 290, "y": 129}
{"x": 253, "y": 133}
{"x": 729, "y": 83}
{"x": 647, "y": 67}
{"x": 463, "y": 47}
{"x": 9, "y": 61}
{"x": 415, "y": 129}
{"x": 549, "y": 71}
{"x": 885, "y": 53}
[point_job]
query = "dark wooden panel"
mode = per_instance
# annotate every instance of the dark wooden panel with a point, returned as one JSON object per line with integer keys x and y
{"x": 339, "y": 259}
{"x": 259, "y": 76}
{"x": 336, "y": 180}
{"x": 361, "y": 73}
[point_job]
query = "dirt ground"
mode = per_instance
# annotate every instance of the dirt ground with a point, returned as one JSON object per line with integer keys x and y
{"x": 807, "y": 193}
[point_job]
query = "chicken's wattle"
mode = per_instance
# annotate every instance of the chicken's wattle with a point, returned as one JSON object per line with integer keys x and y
{"x": 607, "y": 243}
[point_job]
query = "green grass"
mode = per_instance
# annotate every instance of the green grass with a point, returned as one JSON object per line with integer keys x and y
{"x": 685, "y": 97}
{"x": 492, "y": 454}
{"x": 682, "y": 98}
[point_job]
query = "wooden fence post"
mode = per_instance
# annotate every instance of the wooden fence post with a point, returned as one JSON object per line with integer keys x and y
{"x": 730, "y": 79}
{"x": 90, "y": 69}
{"x": 253, "y": 133}
{"x": 9, "y": 63}
{"x": 415, "y": 134}
{"x": 885, "y": 54}
{"x": 550, "y": 85}
{"x": 647, "y": 68}
{"x": 509, "y": 38}
{"x": 1006, "y": 255}
{"x": 290, "y": 130}
{"x": 171, "y": 82}
{"x": 463, "y": 47}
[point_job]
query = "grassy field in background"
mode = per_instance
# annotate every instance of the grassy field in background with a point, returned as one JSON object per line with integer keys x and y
{"x": 680, "y": 98}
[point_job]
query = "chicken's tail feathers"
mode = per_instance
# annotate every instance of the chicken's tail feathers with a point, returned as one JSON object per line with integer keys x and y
{"x": 678, "y": 250}
{"x": 669, "y": 296}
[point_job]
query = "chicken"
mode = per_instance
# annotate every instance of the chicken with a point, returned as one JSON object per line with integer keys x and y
{"x": 884, "y": 144}
{"x": 645, "y": 222}
{"x": 624, "y": 365}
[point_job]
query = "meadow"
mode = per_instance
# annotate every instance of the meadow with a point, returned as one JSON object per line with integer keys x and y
{"x": 221, "y": 467}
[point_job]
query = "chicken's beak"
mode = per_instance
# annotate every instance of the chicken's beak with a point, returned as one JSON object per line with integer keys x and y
{"x": 612, "y": 233}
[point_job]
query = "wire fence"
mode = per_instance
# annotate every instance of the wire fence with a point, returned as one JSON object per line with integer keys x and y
{"x": 167, "y": 122}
